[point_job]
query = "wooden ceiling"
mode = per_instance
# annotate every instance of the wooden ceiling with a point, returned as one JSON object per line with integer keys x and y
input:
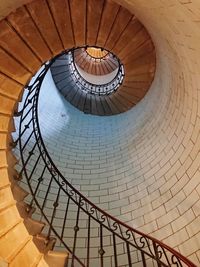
{"x": 41, "y": 29}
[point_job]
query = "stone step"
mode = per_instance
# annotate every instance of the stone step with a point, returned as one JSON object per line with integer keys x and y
{"x": 25, "y": 210}
{"x": 42, "y": 263}
{"x": 12, "y": 241}
{"x": 34, "y": 227}
{"x": 27, "y": 256}
{"x": 9, "y": 218}
{"x": 56, "y": 258}
{"x": 43, "y": 243}
{"x": 6, "y": 198}
{"x": 19, "y": 193}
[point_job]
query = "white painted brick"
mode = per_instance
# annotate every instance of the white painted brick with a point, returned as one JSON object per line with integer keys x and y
{"x": 174, "y": 201}
{"x": 177, "y": 238}
{"x": 156, "y": 213}
{"x": 190, "y": 246}
{"x": 168, "y": 217}
{"x": 183, "y": 220}
{"x": 188, "y": 202}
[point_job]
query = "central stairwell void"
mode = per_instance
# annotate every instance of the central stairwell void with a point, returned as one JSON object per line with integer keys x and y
{"x": 72, "y": 222}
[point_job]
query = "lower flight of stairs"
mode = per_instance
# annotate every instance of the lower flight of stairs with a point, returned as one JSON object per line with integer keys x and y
{"x": 32, "y": 248}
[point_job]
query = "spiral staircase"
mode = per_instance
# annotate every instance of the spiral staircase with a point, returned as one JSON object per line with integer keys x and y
{"x": 56, "y": 26}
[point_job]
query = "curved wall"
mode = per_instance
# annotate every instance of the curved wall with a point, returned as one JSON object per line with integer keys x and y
{"x": 145, "y": 163}
{"x": 157, "y": 176}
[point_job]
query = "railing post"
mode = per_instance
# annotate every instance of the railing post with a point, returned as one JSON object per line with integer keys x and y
{"x": 143, "y": 259}
{"x": 156, "y": 254}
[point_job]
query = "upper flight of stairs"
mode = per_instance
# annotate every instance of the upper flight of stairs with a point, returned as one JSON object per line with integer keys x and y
{"x": 86, "y": 102}
{"x": 96, "y": 67}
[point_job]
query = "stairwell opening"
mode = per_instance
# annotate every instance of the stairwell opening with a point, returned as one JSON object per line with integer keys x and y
{"x": 100, "y": 67}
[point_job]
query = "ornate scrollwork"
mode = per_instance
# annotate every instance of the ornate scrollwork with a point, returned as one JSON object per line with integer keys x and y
{"x": 91, "y": 210}
{"x": 102, "y": 218}
{"x": 71, "y": 192}
{"x": 114, "y": 226}
{"x": 62, "y": 183}
{"x": 175, "y": 260}
{"x": 82, "y": 202}
{"x": 128, "y": 234}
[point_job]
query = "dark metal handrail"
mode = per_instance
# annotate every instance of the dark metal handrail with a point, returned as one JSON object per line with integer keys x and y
{"x": 103, "y": 89}
{"x": 91, "y": 236}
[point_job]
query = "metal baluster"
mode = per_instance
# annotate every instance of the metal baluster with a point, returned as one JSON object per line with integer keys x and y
{"x": 29, "y": 100}
{"x": 47, "y": 192}
{"x": 27, "y": 160}
{"x": 39, "y": 182}
{"x": 28, "y": 139}
{"x": 76, "y": 229}
{"x": 143, "y": 259}
{"x": 24, "y": 117}
{"x": 55, "y": 205}
{"x": 31, "y": 174}
{"x": 101, "y": 250}
{"x": 88, "y": 242}
{"x": 26, "y": 126}
{"x": 156, "y": 254}
{"x": 115, "y": 250}
{"x": 128, "y": 254}
{"x": 65, "y": 218}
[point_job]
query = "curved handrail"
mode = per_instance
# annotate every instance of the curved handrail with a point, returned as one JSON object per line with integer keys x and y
{"x": 103, "y": 89}
{"x": 126, "y": 245}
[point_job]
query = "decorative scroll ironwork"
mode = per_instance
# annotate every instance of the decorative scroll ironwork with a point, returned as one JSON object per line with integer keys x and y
{"x": 90, "y": 235}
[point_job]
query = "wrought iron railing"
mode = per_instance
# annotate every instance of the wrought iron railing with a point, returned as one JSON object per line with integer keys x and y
{"x": 90, "y": 235}
{"x": 102, "y": 89}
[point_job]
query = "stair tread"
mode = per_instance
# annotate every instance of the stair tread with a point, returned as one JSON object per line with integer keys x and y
{"x": 106, "y": 106}
{"x": 99, "y": 106}
{"x": 112, "y": 106}
{"x": 24, "y": 209}
{"x": 87, "y": 105}
{"x": 76, "y": 98}
{"x": 6, "y": 197}
{"x": 9, "y": 218}
{"x": 4, "y": 181}
{"x": 42, "y": 263}
{"x": 33, "y": 226}
{"x": 19, "y": 193}
{"x": 94, "y": 105}
{"x": 11, "y": 239}
{"x": 60, "y": 76}
{"x": 82, "y": 101}
{"x": 43, "y": 243}
{"x": 28, "y": 256}
{"x": 56, "y": 258}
